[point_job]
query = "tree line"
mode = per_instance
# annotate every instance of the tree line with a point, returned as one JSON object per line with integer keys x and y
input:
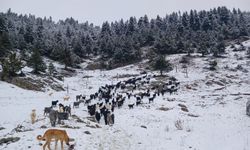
{"x": 119, "y": 42}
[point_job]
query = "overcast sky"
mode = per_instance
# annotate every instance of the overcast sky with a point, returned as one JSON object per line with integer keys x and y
{"x": 98, "y": 11}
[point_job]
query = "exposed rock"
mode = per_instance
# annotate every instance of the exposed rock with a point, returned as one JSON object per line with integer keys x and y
{"x": 21, "y": 128}
{"x": 238, "y": 98}
{"x": 221, "y": 88}
{"x": 28, "y": 83}
{"x": 38, "y": 84}
{"x": 43, "y": 127}
{"x": 98, "y": 126}
{"x": 80, "y": 120}
{"x": 87, "y": 132}
{"x": 91, "y": 126}
{"x": 9, "y": 140}
{"x": 143, "y": 126}
{"x": 193, "y": 115}
{"x": 68, "y": 72}
{"x": 87, "y": 76}
{"x": 171, "y": 99}
{"x": 182, "y": 105}
{"x": 57, "y": 87}
{"x": 164, "y": 108}
{"x": 70, "y": 127}
{"x": 91, "y": 119}
{"x": 184, "y": 109}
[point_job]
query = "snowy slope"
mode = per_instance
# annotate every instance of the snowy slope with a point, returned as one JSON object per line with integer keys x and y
{"x": 216, "y": 97}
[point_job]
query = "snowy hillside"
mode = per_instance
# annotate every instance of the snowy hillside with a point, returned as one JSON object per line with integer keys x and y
{"x": 215, "y": 120}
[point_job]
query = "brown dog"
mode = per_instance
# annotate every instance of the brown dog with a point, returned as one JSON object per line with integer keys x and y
{"x": 54, "y": 134}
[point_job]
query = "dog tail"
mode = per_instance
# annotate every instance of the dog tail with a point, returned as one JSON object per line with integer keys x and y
{"x": 39, "y": 137}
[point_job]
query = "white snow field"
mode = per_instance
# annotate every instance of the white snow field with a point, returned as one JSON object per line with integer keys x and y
{"x": 216, "y": 120}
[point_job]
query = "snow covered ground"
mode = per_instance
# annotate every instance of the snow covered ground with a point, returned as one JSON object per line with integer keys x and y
{"x": 216, "y": 98}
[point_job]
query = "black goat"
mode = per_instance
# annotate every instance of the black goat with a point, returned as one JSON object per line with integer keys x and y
{"x": 53, "y": 117}
{"x": 120, "y": 102}
{"x": 87, "y": 101}
{"x": 78, "y": 97}
{"x": 54, "y": 103}
{"x": 151, "y": 99}
{"x": 76, "y": 104}
{"x": 138, "y": 102}
{"x": 92, "y": 96}
{"x": 47, "y": 110}
{"x": 138, "y": 98}
{"x": 67, "y": 109}
{"x": 62, "y": 116}
{"x": 91, "y": 110}
{"x": 131, "y": 106}
{"x": 97, "y": 116}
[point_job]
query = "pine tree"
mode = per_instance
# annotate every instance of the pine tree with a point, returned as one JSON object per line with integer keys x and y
{"x": 67, "y": 57}
{"x": 68, "y": 32}
{"x": 37, "y": 63}
{"x": 171, "y": 34}
{"x": 221, "y": 47}
{"x": 224, "y": 14}
{"x": 51, "y": 68}
{"x": 161, "y": 64}
{"x": 106, "y": 31}
{"x": 11, "y": 66}
{"x": 29, "y": 35}
{"x": 78, "y": 48}
{"x": 206, "y": 24}
{"x": 131, "y": 26}
{"x": 159, "y": 22}
{"x": 88, "y": 45}
{"x": 184, "y": 20}
{"x": 5, "y": 44}
{"x": 39, "y": 40}
{"x": 165, "y": 45}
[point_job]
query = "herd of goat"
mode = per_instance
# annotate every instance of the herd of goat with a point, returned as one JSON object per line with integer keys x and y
{"x": 108, "y": 97}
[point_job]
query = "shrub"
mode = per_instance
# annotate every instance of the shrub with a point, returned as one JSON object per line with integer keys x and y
{"x": 161, "y": 64}
{"x": 213, "y": 65}
{"x": 184, "y": 60}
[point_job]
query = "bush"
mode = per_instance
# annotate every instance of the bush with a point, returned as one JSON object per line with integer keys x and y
{"x": 161, "y": 64}
{"x": 11, "y": 66}
{"x": 185, "y": 60}
{"x": 36, "y": 62}
{"x": 51, "y": 69}
{"x": 239, "y": 67}
{"x": 213, "y": 65}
